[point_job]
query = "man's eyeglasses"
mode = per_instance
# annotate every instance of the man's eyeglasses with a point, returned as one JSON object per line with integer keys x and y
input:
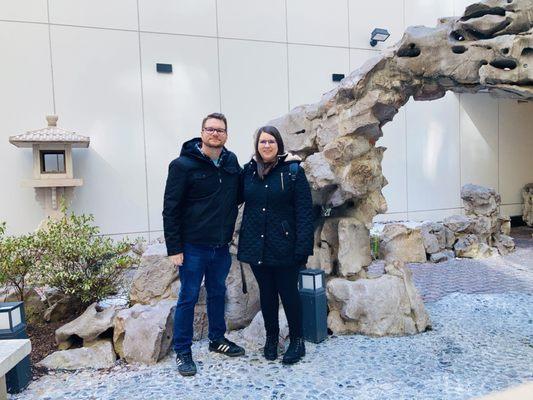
{"x": 211, "y": 130}
{"x": 269, "y": 142}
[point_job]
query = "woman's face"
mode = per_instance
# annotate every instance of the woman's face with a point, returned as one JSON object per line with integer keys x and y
{"x": 267, "y": 147}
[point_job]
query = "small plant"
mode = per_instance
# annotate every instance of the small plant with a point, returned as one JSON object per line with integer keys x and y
{"x": 79, "y": 262}
{"x": 374, "y": 242}
{"x": 19, "y": 256}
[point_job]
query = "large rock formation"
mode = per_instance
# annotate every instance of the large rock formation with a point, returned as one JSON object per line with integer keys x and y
{"x": 387, "y": 305}
{"x": 488, "y": 48}
{"x": 527, "y": 208}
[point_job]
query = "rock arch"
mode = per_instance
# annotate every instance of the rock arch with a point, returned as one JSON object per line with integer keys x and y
{"x": 488, "y": 49}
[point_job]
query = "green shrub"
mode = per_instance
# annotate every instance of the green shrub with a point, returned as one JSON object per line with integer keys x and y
{"x": 79, "y": 262}
{"x": 19, "y": 257}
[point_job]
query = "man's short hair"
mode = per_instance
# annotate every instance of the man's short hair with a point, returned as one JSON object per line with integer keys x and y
{"x": 219, "y": 116}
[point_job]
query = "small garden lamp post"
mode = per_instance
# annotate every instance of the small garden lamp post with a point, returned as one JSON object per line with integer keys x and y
{"x": 314, "y": 304}
{"x": 53, "y": 170}
{"x": 13, "y": 326}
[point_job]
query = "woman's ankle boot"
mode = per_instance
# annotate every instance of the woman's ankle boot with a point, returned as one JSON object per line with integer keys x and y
{"x": 271, "y": 347}
{"x": 295, "y": 352}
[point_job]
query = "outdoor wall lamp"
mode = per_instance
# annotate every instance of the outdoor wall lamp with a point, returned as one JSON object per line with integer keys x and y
{"x": 378, "y": 35}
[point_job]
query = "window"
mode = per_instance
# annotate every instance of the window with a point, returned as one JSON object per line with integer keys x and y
{"x": 53, "y": 161}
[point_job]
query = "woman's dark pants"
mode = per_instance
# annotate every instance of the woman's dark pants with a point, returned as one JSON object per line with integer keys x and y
{"x": 282, "y": 281}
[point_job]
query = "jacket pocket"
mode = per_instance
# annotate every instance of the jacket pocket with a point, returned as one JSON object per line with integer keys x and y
{"x": 204, "y": 185}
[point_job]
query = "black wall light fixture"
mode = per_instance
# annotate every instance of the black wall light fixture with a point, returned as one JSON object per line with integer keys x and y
{"x": 337, "y": 77}
{"x": 378, "y": 35}
{"x": 164, "y": 68}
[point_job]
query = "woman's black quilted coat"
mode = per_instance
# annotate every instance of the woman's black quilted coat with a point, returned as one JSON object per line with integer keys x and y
{"x": 277, "y": 225}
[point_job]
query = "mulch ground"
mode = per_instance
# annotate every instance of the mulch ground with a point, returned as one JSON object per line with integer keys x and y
{"x": 43, "y": 343}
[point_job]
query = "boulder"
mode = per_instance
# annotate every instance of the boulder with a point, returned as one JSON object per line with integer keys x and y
{"x": 505, "y": 244}
{"x": 469, "y": 246}
{"x": 61, "y": 307}
{"x": 241, "y": 307}
{"x": 354, "y": 247}
{"x": 480, "y": 200}
{"x": 143, "y": 333}
{"x": 401, "y": 243}
{"x": 433, "y": 236}
{"x": 254, "y": 335}
{"x": 94, "y": 322}
{"x": 504, "y": 223}
{"x": 156, "y": 278}
{"x": 458, "y": 224}
{"x": 34, "y": 306}
{"x": 98, "y": 354}
{"x": 387, "y": 305}
{"x": 442, "y": 256}
{"x": 527, "y": 208}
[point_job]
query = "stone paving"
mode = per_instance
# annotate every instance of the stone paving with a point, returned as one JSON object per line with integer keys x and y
{"x": 482, "y": 341}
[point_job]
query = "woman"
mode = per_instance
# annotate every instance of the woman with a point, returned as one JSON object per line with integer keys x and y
{"x": 276, "y": 236}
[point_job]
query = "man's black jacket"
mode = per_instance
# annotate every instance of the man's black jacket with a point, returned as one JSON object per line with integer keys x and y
{"x": 277, "y": 223}
{"x": 200, "y": 203}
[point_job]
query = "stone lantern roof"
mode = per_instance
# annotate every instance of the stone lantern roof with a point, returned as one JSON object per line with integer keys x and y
{"x": 50, "y": 134}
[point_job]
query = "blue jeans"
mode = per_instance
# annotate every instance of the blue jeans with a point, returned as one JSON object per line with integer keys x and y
{"x": 199, "y": 261}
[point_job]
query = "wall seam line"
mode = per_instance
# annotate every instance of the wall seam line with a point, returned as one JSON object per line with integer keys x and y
{"x": 218, "y": 60}
{"x": 288, "y": 57}
{"x": 143, "y": 119}
{"x": 51, "y": 57}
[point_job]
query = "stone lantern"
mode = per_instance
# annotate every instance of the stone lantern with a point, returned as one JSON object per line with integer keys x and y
{"x": 53, "y": 173}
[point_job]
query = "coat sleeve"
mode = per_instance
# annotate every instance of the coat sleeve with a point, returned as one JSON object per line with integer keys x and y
{"x": 304, "y": 215}
{"x": 172, "y": 207}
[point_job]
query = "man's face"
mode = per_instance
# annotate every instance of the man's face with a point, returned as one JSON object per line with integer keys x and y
{"x": 214, "y": 133}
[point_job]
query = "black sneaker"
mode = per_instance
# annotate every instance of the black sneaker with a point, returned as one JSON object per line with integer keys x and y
{"x": 186, "y": 366}
{"x": 295, "y": 352}
{"x": 224, "y": 346}
{"x": 271, "y": 347}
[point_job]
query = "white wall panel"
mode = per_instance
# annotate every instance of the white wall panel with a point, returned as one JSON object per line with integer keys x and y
{"x": 252, "y": 19}
{"x": 516, "y": 149}
{"x": 479, "y": 140}
{"x": 191, "y": 17}
{"x": 427, "y": 12}
{"x": 98, "y": 93}
{"x": 367, "y": 15}
{"x": 512, "y": 210}
{"x": 433, "y": 150}
{"x": 318, "y": 22}
{"x": 25, "y": 100}
{"x": 310, "y": 70}
{"x": 119, "y": 14}
{"x": 359, "y": 57}
{"x": 394, "y": 163}
{"x": 24, "y": 10}
{"x": 175, "y": 104}
{"x": 434, "y": 215}
{"x": 254, "y": 88}
{"x": 388, "y": 217}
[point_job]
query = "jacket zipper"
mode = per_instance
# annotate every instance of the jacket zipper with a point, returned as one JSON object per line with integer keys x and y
{"x": 282, "y": 187}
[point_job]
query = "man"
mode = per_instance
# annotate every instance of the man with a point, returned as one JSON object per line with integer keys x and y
{"x": 200, "y": 209}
